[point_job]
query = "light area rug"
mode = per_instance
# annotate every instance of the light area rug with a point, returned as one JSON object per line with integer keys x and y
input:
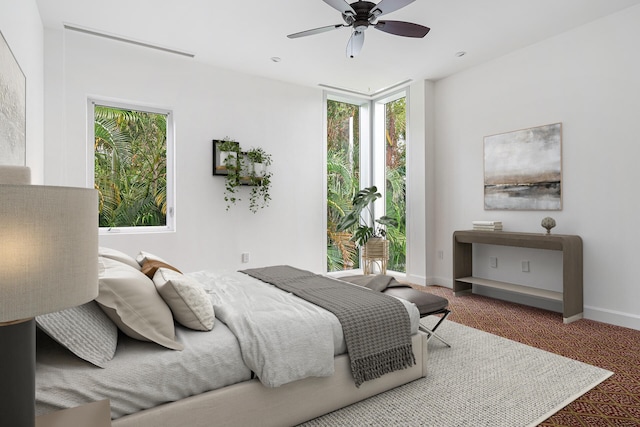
{"x": 482, "y": 380}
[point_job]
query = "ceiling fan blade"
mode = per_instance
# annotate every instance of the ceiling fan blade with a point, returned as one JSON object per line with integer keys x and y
{"x": 388, "y": 6}
{"x": 315, "y": 31}
{"x": 341, "y": 6}
{"x": 354, "y": 46}
{"x": 401, "y": 28}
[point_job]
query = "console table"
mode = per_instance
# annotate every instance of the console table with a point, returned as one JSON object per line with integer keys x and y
{"x": 571, "y": 247}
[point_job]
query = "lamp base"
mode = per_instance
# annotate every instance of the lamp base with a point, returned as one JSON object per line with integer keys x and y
{"x": 17, "y": 373}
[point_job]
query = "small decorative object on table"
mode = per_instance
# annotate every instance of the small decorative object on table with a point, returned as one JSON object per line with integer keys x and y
{"x": 548, "y": 223}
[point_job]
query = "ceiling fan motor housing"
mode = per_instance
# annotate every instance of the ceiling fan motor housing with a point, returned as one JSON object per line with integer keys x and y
{"x": 363, "y": 17}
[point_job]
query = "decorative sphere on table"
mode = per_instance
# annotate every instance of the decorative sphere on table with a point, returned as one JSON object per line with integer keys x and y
{"x": 548, "y": 223}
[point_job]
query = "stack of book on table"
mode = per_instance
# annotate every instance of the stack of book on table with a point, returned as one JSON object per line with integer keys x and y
{"x": 487, "y": 225}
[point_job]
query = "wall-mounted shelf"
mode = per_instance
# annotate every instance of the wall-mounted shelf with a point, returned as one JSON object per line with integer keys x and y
{"x": 242, "y": 164}
{"x": 572, "y": 276}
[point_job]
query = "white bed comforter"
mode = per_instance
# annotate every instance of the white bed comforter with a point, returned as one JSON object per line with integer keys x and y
{"x": 283, "y": 338}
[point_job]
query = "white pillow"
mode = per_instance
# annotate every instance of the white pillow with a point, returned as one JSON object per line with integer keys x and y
{"x": 84, "y": 330}
{"x": 118, "y": 256}
{"x": 143, "y": 257}
{"x": 185, "y": 297}
{"x": 130, "y": 299}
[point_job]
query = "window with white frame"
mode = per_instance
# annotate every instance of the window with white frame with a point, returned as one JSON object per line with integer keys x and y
{"x": 132, "y": 157}
{"x": 366, "y": 145}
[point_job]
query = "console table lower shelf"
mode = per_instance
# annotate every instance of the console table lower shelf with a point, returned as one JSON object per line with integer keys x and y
{"x": 570, "y": 246}
{"x": 511, "y": 287}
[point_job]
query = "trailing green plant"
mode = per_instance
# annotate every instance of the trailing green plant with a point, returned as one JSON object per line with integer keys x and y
{"x": 260, "y": 182}
{"x": 232, "y": 165}
{"x": 258, "y": 155}
{"x": 365, "y": 230}
{"x": 229, "y": 145}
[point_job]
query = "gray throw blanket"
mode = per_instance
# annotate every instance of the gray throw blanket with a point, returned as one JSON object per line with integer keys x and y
{"x": 376, "y": 327}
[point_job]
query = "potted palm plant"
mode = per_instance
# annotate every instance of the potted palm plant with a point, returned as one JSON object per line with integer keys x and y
{"x": 368, "y": 235}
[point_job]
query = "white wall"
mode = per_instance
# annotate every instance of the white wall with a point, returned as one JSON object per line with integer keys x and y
{"x": 416, "y": 201}
{"x": 588, "y": 80}
{"x": 22, "y": 29}
{"x": 208, "y": 103}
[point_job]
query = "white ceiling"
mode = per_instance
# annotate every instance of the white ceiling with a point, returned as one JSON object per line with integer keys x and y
{"x": 245, "y": 34}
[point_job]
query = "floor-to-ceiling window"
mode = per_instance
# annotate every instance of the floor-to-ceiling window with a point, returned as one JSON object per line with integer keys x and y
{"x": 343, "y": 178}
{"x": 366, "y": 145}
{"x": 396, "y": 177}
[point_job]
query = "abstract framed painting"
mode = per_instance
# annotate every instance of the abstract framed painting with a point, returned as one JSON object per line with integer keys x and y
{"x": 523, "y": 169}
{"x": 13, "y": 128}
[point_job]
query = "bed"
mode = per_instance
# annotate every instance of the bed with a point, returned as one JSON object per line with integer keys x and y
{"x": 252, "y": 354}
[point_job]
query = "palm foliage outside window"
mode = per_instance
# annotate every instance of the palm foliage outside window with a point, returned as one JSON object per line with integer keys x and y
{"x": 130, "y": 167}
{"x": 396, "y": 172}
{"x": 343, "y": 180}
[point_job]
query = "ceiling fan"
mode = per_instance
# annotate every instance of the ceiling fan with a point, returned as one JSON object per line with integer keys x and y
{"x": 362, "y": 14}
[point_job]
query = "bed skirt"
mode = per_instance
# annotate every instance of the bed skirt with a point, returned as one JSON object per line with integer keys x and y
{"x": 251, "y": 403}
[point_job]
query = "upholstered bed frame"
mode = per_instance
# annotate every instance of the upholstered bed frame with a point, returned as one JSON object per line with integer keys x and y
{"x": 251, "y": 403}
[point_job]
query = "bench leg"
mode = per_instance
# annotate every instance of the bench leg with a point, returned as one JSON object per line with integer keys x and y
{"x": 431, "y": 332}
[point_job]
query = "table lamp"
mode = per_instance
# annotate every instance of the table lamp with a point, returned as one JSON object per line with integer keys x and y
{"x": 48, "y": 262}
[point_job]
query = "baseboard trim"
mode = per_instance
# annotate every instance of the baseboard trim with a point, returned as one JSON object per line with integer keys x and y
{"x": 612, "y": 317}
{"x": 439, "y": 281}
{"x": 416, "y": 280}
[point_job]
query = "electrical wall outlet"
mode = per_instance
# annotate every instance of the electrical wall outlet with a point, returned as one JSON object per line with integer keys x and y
{"x": 440, "y": 254}
{"x": 493, "y": 262}
{"x": 245, "y": 257}
{"x": 525, "y": 266}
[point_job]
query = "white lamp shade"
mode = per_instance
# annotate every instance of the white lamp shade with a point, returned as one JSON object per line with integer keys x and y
{"x": 48, "y": 249}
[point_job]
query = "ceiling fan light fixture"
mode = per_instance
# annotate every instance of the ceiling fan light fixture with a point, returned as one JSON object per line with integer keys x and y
{"x": 361, "y": 25}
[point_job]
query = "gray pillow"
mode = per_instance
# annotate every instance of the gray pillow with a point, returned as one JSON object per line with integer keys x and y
{"x": 84, "y": 330}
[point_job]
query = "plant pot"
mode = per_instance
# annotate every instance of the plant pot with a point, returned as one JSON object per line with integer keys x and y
{"x": 223, "y": 158}
{"x": 375, "y": 253}
{"x": 259, "y": 169}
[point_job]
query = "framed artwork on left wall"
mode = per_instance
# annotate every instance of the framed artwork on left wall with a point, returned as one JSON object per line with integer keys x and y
{"x": 13, "y": 108}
